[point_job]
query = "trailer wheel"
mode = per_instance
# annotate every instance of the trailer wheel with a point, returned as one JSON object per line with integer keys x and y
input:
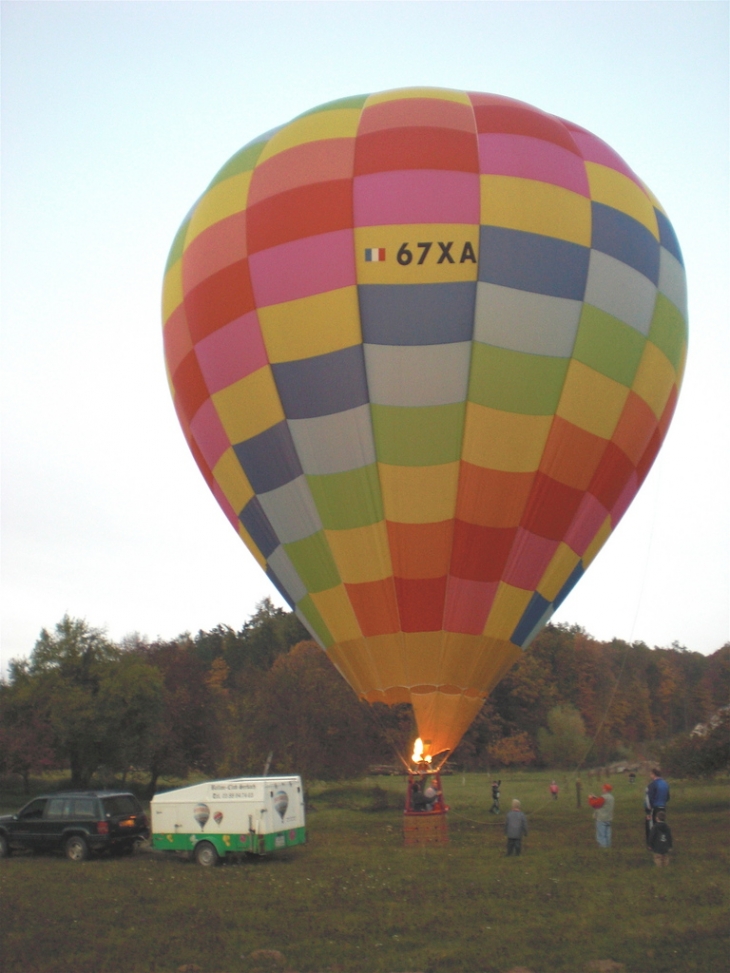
{"x": 205, "y": 854}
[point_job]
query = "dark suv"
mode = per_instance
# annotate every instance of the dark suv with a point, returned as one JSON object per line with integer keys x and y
{"x": 78, "y": 822}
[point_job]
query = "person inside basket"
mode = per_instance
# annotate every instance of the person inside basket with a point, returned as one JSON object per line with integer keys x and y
{"x": 432, "y": 795}
{"x": 418, "y": 798}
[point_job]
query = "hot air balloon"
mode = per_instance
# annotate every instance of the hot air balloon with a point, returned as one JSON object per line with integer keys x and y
{"x": 424, "y": 346}
{"x": 281, "y": 803}
{"x": 201, "y": 813}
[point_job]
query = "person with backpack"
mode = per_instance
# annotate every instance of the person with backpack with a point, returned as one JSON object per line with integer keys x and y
{"x": 660, "y": 840}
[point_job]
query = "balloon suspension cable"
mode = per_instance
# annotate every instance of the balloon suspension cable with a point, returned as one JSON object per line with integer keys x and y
{"x": 631, "y": 636}
{"x": 617, "y": 683}
{"x": 439, "y": 760}
{"x": 403, "y": 760}
{"x": 387, "y": 734}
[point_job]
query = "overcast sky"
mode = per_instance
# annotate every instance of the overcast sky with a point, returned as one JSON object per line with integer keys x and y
{"x": 115, "y": 116}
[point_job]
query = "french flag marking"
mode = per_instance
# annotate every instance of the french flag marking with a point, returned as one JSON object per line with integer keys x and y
{"x": 374, "y": 254}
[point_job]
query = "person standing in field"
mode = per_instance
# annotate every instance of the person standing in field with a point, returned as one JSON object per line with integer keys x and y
{"x": 494, "y": 809}
{"x": 647, "y": 814}
{"x": 660, "y": 840}
{"x": 603, "y": 814}
{"x": 515, "y": 827}
{"x": 554, "y": 790}
{"x": 658, "y": 792}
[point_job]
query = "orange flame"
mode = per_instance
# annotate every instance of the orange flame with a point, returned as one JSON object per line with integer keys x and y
{"x": 418, "y": 756}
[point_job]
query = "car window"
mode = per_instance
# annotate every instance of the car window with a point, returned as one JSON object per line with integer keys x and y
{"x": 56, "y": 807}
{"x": 33, "y": 811}
{"x": 82, "y": 808}
{"x": 121, "y": 804}
{"x": 72, "y": 809}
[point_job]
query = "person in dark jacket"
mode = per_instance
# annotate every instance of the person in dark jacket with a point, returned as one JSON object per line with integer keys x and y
{"x": 648, "y": 819}
{"x": 418, "y": 800}
{"x": 494, "y": 809}
{"x": 658, "y": 793}
{"x": 660, "y": 840}
{"x": 515, "y": 826}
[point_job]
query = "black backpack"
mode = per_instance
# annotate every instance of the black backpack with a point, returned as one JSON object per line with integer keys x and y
{"x": 660, "y": 839}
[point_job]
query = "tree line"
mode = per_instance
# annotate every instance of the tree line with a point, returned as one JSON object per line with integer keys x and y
{"x": 222, "y": 702}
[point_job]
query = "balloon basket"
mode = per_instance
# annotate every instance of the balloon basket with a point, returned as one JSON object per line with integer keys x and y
{"x": 423, "y": 828}
{"x": 424, "y": 824}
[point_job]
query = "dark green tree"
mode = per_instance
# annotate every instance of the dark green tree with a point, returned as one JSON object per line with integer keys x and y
{"x": 564, "y": 743}
{"x": 268, "y": 633}
{"x": 68, "y": 667}
{"x": 131, "y": 699}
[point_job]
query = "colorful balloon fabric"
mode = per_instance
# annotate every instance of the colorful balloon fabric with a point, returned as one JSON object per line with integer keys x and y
{"x": 424, "y": 346}
{"x": 201, "y": 813}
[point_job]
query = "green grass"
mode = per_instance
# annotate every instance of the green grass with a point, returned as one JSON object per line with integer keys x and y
{"x": 354, "y": 899}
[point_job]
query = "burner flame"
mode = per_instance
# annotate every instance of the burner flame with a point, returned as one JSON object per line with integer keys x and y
{"x": 418, "y": 756}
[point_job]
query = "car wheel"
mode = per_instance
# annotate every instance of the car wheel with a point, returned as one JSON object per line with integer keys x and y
{"x": 76, "y": 849}
{"x": 4, "y": 847}
{"x": 205, "y": 854}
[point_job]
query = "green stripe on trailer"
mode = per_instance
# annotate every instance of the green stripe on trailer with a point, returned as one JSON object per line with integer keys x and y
{"x": 284, "y": 839}
{"x": 225, "y": 843}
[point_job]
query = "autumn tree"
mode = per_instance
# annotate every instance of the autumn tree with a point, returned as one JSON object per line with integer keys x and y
{"x": 310, "y": 718}
{"x": 189, "y": 731}
{"x": 525, "y": 695}
{"x": 26, "y": 735}
{"x": 486, "y": 730}
{"x": 511, "y": 751}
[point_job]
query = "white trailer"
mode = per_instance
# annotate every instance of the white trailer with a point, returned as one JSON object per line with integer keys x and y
{"x": 244, "y": 814}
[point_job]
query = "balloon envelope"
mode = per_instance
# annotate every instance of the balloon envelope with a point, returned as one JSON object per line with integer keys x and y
{"x": 424, "y": 346}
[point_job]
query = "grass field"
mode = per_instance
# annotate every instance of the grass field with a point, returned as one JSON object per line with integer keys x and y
{"x": 355, "y": 899}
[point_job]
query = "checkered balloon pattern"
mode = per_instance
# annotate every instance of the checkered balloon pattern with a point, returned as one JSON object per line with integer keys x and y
{"x": 424, "y": 346}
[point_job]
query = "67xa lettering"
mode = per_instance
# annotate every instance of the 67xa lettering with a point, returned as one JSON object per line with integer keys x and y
{"x": 405, "y": 255}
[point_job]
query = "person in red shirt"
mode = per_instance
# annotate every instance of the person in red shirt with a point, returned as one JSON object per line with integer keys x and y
{"x": 603, "y": 813}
